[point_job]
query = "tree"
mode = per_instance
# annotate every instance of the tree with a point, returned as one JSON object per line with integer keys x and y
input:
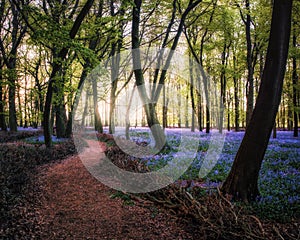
{"x": 57, "y": 67}
{"x": 242, "y": 181}
{"x": 149, "y": 104}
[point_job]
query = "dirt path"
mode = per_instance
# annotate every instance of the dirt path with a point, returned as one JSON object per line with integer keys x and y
{"x": 75, "y": 205}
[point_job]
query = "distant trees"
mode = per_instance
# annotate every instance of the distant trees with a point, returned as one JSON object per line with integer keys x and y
{"x": 241, "y": 182}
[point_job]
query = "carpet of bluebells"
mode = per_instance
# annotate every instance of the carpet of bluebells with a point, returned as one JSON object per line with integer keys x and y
{"x": 279, "y": 175}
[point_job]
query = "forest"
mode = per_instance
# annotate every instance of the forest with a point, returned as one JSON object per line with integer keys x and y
{"x": 164, "y": 119}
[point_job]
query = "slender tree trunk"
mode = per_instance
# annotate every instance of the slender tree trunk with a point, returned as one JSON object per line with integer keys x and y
{"x": 242, "y": 180}
{"x": 112, "y": 107}
{"x": 228, "y": 113}
{"x": 295, "y": 82}
{"x": 250, "y": 81}
{"x": 127, "y": 123}
{"x": 20, "y": 115}
{"x": 192, "y": 95}
{"x": 199, "y": 108}
{"x": 290, "y": 118}
{"x": 223, "y": 89}
{"x": 283, "y": 117}
{"x": 12, "y": 96}
{"x": 85, "y": 109}
{"x": 186, "y": 113}
{"x": 115, "y": 62}
{"x": 25, "y": 105}
{"x": 165, "y": 108}
{"x": 39, "y": 92}
{"x": 236, "y": 99}
{"x": 179, "y": 106}
{"x": 97, "y": 118}
{"x": 2, "y": 113}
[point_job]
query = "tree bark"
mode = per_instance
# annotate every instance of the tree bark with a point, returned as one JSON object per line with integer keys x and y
{"x": 2, "y": 113}
{"x": 236, "y": 97}
{"x": 186, "y": 111}
{"x": 149, "y": 106}
{"x": 97, "y": 117}
{"x": 165, "y": 108}
{"x": 295, "y": 82}
{"x": 179, "y": 106}
{"x": 250, "y": 81}
{"x": 242, "y": 180}
{"x": 192, "y": 95}
{"x": 127, "y": 120}
{"x": 12, "y": 96}
{"x": 223, "y": 81}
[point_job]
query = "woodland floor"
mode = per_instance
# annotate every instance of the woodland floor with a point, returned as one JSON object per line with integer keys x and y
{"x": 63, "y": 200}
{"x": 74, "y": 205}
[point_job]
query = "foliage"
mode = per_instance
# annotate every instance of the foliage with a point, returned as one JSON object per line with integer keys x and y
{"x": 125, "y": 197}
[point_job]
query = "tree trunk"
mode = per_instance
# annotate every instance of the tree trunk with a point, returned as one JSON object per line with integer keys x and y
{"x": 236, "y": 96}
{"x": 228, "y": 113}
{"x": 192, "y": 95}
{"x": 295, "y": 82}
{"x": 179, "y": 107}
{"x": 199, "y": 108}
{"x": 12, "y": 96}
{"x": 242, "y": 180}
{"x": 2, "y": 113}
{"x": 20, "y": 112}
{"x": 127, "y": 120}
{"x": 165, "y": 108}
{"x": 149, "y": 106}
{"x": 112, "y": 108}
{"x": 186, "y": 112}
{"x": 115, "y": 66}
{"x": 250, "y": 85}
{"x": 290, "y": 118}
{"x": 61, "y": 120}
{"x": 274, "y": 131}
{"x": 97, "y": 118}
{"x": 223, "y": 87}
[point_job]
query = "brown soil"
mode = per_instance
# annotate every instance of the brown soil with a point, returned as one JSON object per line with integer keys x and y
{"x": 77, "y": 206}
